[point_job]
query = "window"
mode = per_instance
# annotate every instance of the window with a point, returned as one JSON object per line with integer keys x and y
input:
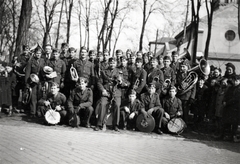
{"x": 230, "y": 35}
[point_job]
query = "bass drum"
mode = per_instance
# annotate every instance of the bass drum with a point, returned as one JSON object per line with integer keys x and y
{"x": 176, "y": 125}
{"x": 52, "y": 117}
{"x": 145, "y": 125}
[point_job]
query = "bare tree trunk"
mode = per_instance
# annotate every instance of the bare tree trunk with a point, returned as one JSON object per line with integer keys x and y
{"x": 210, "y": 17}
{"x": 239, "y": 19}
{"x": 143, "y": 25}
{"x": 80, "y": 22}
{"x": 195, "y": 27}
{"x": 59, "y": 23}
{"x": 69, "y": 15}
{"x": 104, "y": 25}
{"x": 113, "y": 18}
{"x": 23, "y": 26}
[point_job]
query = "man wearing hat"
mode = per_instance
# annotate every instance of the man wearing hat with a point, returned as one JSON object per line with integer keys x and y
{"x": 138, "y": 77}
{"x": 109, "y": 84}
{"x": 230, "y": 72}
{"x": 151, "y": 106}
{"x": 64, "y": 51}
{"x": 85, "y": 68}
{"x": 19, "y": 67}
{"x": 35, "y": 66}
{"x": 131, "y": 62}
{"x": 80, "y": 101}
{"x": 119, "y": 54}
{"x": 156, "y": 75}
{"x": 92, "y": 56}
{"x": 47, "y": 52}
{"x": 124, "y": 71}
{"x": 188, "y": 97}
{"x": 69, "y": 60}
{"x": 231, "y": 110}
{"x": 175, "y": 65}
{"x": 58, "y": 66}
{"x": 172, "y": 106}
{"x": 104, "y": 64}
{"x": 55, "y": 100}
{"x": 130, "y": 109}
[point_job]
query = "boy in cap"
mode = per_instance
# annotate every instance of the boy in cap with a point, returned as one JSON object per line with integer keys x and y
{"x": 154, "y": 74}
{"x": 230, "y": 72}
{"x": 188, "y": 97}
{"x": 64, "y": 51}
{"x": 172, "y": 106}
{"x": 68, "y": 83}
{"x": 138, "y": 77}
{"x": 55, "y": 100}
{"x": 151, "y": 106}
{"x": 130, "y": 110}
{"x": 119, "y": 54}
{"x": 58, "y": 66}
{"x": 80, "y": 101}
{"x": 231, "y": 111}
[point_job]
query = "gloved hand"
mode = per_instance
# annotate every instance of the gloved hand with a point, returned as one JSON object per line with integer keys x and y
{"x": 58, "y": 108}
{"x": 131, "y": 116}
{"x": 127, "y": 109}
{"x": 46, "y": 103}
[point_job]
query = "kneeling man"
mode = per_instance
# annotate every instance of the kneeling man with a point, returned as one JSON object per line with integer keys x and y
{"x": 80, "y": 100}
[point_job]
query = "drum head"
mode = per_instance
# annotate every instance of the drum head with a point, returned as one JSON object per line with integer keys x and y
{"x": 52, "y": 117}
{"x": 176, "y": 125}
{"x": 145, "y": 125}
{"x": 27, "y": 94}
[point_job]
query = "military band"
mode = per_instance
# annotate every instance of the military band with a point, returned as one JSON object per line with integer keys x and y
{"x": 97, "y": 86}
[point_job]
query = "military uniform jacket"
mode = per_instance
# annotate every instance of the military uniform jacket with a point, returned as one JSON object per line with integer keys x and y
{"x": 172, "y": 106}
{"x": 141, "y": 75}
{"x": 82, "y": 99}
{"x": 59, "y": 99}
{"x": 135, "y": 107}
{"x": 60, "y": 67}
{"x": 124, "y": 73}
{"x": 150, "y": 102}
{"x": 85, "y": 69}
{"x": 169, "y": 73}
{"x": 107, "y": 81}
{"x": 35, "y": 66}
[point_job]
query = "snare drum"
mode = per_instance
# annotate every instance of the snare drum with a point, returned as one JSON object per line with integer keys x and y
{"x": 176, "y": 125}
{"x": 52, "y": 117}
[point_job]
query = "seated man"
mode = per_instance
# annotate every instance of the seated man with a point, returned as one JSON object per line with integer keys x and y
{"x": 130, "y": 110}
{"x": 151, "y": 106}
{"x": 81, "y": 98}
{"x": 172, "y": 106}
{"x": 54, "y": 100}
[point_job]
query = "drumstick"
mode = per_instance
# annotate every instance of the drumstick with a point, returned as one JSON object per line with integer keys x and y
{"x": 51, "y": 113}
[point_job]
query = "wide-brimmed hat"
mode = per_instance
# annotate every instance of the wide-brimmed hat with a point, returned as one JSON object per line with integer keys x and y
{"x": 47, "y": 69}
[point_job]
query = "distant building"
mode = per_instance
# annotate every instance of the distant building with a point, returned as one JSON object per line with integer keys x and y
{"x": 224, "y": 44}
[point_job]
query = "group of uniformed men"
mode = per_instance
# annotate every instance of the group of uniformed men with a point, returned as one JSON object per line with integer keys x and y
{"x": 126, "y": 86}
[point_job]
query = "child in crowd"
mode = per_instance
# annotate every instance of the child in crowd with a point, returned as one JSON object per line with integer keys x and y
{"x": 130, "y": 110}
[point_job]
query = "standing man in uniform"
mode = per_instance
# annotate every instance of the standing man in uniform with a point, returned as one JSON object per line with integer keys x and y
{"x": 85, "y": 68}
{"x": 35, "y": 66}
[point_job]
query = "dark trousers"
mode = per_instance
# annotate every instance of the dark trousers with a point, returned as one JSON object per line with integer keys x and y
{"x": 158, "y": 116}
{"x": 102, "y": 110}
{"x": 87, "y": 112}
{"x": 126, "y": 121}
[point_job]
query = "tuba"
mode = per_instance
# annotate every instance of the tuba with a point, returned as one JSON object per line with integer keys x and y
{"x": 73, "y": 73}
{"x": 192, "y": 77}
